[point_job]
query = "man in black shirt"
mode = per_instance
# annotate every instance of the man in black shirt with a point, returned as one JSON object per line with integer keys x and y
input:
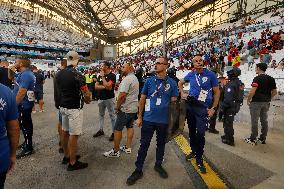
{"x": 73, "y": 91}
{"x": 4, "y": 79}
{"x": 105, "y": 91}
{"x": 263, "y": 90}
{"x": 38, "y": 89}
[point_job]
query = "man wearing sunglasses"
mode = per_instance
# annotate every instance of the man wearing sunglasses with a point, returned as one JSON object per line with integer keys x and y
{"x": 157, "y": 93}
{"x": 203, "y": 91}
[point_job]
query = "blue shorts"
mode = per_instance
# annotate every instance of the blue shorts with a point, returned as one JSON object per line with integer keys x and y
{"x": 124, "y": 119}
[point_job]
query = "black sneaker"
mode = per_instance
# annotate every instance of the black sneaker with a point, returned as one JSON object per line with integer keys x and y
{"x": 201, "y": 166}
{"x": 23, "y": 145}
{"x": 162, "y": 172}
{"x": 99, "y": 133}
{"x": 259, "y": 140}
{"x": 228, "y": 142}
{"x": 24, "y": 152}
{"x": 66, "y": 160}
{"x": 190, "y": 156}
{"x": 214, "y": 131}
{"x": 78, "y": 165}
{"x": 111, "y": 138}
{"x": 134, "y": 177}
{"x": 250, "y": 141}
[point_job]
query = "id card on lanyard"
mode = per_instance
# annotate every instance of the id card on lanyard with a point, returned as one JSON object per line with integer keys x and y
{"x": 203, "y": 93}
{"x": 160, "y": 89}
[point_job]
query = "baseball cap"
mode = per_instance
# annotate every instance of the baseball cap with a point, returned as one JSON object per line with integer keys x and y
{"x": 72, "y": 58}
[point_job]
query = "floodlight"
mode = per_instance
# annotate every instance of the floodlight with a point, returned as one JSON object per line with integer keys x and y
{"x": 126, "y": 23}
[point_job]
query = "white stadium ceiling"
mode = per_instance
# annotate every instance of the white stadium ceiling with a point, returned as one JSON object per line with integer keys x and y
{"x": 104, "y": 16}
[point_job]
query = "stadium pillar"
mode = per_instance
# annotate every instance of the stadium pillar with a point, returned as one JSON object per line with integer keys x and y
{"x": 165, "y": 28}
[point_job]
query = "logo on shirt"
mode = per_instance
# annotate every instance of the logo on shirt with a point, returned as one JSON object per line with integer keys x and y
{"x": 2, "y": 104}
{"x": 204, "y": 79}
{"x": 168, "y": 86}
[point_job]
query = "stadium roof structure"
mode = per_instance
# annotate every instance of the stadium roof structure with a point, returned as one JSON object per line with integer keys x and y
{"x": 104, "y": 17}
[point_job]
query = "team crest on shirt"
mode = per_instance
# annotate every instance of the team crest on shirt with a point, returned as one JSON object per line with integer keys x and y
{"x": 168, "y": 86}
{"x": 2, "y": 104}
{"x": 204, "y": 79}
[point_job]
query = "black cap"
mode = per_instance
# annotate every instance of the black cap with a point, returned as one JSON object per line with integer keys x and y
{"x": 262, "y": 66}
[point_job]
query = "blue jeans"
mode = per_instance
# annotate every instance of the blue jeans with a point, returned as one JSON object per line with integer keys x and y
{"x": 26, "y": 125}
{"x": 197, "y": 120}
{"x": 147, "y": 132}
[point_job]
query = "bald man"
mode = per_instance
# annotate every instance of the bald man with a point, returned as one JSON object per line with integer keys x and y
{"x": 203, "y": 92}
{"x": 126, "y": 109}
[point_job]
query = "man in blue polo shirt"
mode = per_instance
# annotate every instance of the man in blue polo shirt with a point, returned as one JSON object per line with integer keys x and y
{"x": 157, "y": 93}
{"x": 203, "y": 90}
{"x": 9, "y": 132}
{"x": 24, "y": 91}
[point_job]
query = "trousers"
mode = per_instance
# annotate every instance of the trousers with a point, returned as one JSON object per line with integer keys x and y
{"x": 147, "y": 132}
{"x": 26, "y": 125}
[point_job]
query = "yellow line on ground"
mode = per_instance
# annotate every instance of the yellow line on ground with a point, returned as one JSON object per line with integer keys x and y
{"x": 211, "y": 178}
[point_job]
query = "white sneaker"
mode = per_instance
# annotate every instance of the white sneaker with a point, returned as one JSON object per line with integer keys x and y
{"x": 112, "y": 153}
{"x": 41, "y": 111}
{"x": 34, "y": 112}
{"x": 125, "y": 149}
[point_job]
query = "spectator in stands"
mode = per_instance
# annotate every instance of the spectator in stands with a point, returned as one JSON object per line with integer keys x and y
{"x": 274, "y": 64}
{"x": 250, "y": 60}
{"x": 281, "y": 64}
{"x": 262, "y": 91}
{"x": 9, "y": 132}
{"x": 4, "y": 74}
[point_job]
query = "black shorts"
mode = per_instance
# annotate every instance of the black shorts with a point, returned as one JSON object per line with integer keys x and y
{"x": 38, "y": 95}
{"x": 124, "y": 119}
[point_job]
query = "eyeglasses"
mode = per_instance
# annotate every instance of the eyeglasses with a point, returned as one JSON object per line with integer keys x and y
{"x": 161, "y": 63}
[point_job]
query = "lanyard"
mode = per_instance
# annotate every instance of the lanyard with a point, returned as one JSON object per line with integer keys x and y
{"x": 197, "y": 78}
{"x": 158, "y": 88}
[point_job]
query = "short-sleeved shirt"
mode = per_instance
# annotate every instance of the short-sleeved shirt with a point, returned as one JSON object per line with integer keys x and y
{"x": 163, "y": 89}
{"x": 25, "y": 79}
{"x": 202, "y": 81}
{"x": 130, "y": 85}
{"x": 39, "y": 81}
{"x": 8, "y": 112}
{"x": 107, "y": 94}
{"x": 4, "y": 77}
{"x": 69, "y": 83}
{"x": 265, "y": 84}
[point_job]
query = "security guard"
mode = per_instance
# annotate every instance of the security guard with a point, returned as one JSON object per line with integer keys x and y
{"x": 231, "y": 103}
{"x": 203, "y": 90}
